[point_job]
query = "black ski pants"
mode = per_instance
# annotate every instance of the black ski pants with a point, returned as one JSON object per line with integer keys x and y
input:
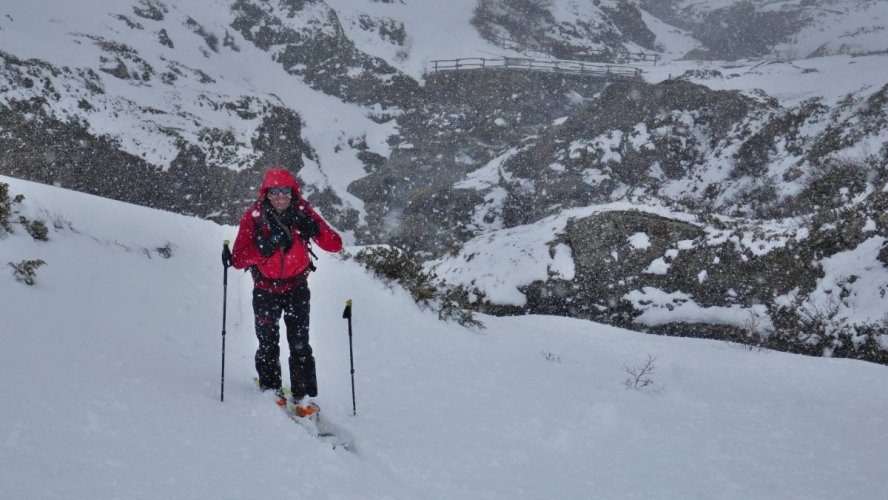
{"x": 294, "y": 304}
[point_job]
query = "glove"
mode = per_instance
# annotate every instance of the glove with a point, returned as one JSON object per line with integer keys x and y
{"x": 307, "y": 226}
{"x": 266, "y": 248}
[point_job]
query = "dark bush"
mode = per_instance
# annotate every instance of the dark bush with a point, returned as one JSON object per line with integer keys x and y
{"x": 26, "y": 270}
{"x": 452, "y": 303}
{"x": 37, "y": 229}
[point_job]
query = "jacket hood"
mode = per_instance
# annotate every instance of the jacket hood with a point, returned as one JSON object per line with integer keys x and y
{"x": 279, "y": 177}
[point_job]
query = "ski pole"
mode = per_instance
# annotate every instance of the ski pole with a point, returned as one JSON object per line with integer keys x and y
{"x": 226, "y": 263}
{"x": 347, "y": 314}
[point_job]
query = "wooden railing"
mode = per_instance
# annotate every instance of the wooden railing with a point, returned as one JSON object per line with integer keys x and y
{"x": 543, "y": 65}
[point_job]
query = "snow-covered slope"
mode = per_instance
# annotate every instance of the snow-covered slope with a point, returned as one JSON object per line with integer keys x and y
{"x": 109, "y": 382}
{"x": 430, "y": 30}
{"x": 831, "y": 27}
{"x": 155, "y": 77}
{"x": 794, "y": 29}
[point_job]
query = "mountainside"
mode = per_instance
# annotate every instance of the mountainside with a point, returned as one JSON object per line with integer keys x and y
{"x": 110, "y": 383}
{"x": 730, "y": 29}
{"x": 702, "y": 121}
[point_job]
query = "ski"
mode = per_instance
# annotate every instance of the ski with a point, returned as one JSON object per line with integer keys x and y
{"x": 316, "y": 425}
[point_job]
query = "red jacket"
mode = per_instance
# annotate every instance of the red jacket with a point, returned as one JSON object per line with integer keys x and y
{"x": 279, "y": 266}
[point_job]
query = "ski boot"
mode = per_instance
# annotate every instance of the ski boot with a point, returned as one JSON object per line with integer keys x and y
{"x": 305, "y": 407}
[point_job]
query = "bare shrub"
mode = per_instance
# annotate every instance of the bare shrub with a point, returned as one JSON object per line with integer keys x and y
{"x": 165, "y": 251}
{"x": 640, "y": 376}
{"x": 551, "y": 357}
{"x": 820, "y": 324}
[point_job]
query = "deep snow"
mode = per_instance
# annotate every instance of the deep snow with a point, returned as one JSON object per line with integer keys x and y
{"x": 110, "y": 365}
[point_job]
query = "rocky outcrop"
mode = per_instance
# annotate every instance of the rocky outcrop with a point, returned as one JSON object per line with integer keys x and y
{"x": 607, "y": 264}
{"x": 459, "y": 122}
{"x": 744, "y": 283}
{"x": 585, "y": 31}
{"x": 308, "y": 41}
{"x": 633, "y": 139}
{"x": 40, "y": 145}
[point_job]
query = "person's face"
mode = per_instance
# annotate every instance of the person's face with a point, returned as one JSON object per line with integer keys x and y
{"x": 279, "y": 198}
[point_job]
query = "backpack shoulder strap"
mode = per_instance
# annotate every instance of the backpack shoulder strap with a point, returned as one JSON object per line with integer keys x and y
{"x": 283, "y": 226}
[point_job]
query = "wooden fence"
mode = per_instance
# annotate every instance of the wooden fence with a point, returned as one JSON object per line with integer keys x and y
{"x": 543, "y": 65}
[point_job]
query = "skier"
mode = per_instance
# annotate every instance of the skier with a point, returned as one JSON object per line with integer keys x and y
{"x": 274, "y": 243}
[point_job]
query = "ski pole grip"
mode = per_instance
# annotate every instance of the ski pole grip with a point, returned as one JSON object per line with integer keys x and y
{"x": 347, "y": 313}
{"x": 226, "y": 254}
